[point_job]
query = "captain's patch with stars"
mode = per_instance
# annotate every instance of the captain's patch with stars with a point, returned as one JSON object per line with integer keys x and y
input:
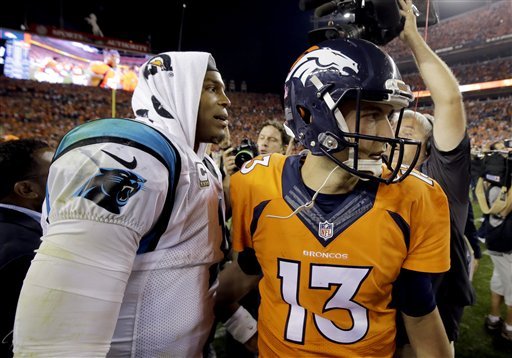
{"x": 203, "y": 175}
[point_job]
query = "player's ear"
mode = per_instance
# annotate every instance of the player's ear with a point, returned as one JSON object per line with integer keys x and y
{"x": 25, "y": 189}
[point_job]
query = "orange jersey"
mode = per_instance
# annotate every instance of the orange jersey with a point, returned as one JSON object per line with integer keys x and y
{"x": 100, "y": 73}
{"x": 327, "y": 277}
{"x": 129, "y": 80}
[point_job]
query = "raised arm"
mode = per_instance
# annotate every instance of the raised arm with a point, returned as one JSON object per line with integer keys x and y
{"x": 450, "y": 123}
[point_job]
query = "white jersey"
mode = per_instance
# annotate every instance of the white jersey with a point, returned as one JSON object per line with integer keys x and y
{"x": 132, "y": 235}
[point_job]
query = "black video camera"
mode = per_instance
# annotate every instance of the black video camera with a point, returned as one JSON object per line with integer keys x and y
{"x": 497, "y": 167}
{"x": 377, "y": 21}
{"x": 245, "y": 152}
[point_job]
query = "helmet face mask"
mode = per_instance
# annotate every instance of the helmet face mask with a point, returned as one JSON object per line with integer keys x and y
{"x": 322, "y": 80}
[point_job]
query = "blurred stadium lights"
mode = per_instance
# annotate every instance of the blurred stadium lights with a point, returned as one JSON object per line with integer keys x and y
{"x": 473, "y": 87}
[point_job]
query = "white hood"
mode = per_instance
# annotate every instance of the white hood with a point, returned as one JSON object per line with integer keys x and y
{"x": 168, "y": 93}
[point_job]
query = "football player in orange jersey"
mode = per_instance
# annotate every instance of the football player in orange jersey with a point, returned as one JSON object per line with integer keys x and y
{"x": 129, "y": 78}
{"x": 341, "y": 238}
{"x": 101, "y": 72}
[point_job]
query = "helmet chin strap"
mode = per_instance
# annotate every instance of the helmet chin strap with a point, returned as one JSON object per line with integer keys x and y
{"x": 368, "y": 166}
{"x": 371, "y": 166}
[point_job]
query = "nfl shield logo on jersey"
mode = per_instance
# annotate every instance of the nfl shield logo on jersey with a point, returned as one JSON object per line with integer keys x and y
{"x": 325, "y": 230}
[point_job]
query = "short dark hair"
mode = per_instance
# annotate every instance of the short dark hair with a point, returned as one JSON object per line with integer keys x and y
{"x": 279, "y": 126}
{"x": 17, "y": 161}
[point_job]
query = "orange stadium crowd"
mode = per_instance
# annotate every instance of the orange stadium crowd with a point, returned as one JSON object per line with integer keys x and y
{"x": 35, "y": 109}
{"x": 490, "y": 22}
{"x": 491, "y": 70}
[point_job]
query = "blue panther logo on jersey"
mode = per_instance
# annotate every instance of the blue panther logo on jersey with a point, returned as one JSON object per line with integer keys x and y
{"x": 111, "y": 188}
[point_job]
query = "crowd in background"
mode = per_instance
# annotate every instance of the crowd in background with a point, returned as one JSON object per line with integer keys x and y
{"x": 44, "y": 110}
{"x": 35, "y": 109}
{"x": 490, "y": 22}
{"x": 491, "y": 70}
{"x": 489, "y": 120}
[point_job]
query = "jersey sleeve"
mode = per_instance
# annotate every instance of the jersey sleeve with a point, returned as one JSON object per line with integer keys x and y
{"x": 71, "y": 296}
{"x": 256, "y": 183}
{"x": 241, "y": 213}
{"x": 429, "y": 249}
{"x": 93, "y": 183}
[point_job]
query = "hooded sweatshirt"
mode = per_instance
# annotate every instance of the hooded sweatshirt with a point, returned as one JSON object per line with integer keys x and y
{"x": 132, "y": 232}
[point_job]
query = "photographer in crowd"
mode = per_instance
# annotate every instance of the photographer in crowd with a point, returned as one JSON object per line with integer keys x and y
{"x": 495, "y": 199}
{"x": 272, "y": 138}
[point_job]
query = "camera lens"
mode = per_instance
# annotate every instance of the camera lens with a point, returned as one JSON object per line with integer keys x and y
{"x": 243, "y": 156}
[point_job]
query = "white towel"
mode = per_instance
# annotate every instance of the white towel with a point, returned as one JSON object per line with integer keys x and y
{"x": 168, "y": 93}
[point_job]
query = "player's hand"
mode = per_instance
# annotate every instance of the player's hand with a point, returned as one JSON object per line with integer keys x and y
{"x": 229, "y": 161}
{"x": 407, "y": 10}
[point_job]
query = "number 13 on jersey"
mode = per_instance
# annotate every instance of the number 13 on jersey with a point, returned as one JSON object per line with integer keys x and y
{"x": 347, "y": 281}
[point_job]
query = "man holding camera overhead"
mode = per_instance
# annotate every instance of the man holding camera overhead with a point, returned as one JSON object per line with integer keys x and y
{"x": 445, "y": 157}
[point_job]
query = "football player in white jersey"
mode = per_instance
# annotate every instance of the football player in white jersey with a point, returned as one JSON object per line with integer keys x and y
{"x": 132, "y": 237}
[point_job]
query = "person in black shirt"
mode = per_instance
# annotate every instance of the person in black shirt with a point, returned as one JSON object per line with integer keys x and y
{"x": 445, "y": 157}
{"x": 24, "y": 166}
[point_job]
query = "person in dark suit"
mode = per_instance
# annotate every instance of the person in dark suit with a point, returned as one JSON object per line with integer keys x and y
{"x": 24, "y": 167}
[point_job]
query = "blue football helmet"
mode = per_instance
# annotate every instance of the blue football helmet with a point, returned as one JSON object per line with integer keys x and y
{"x": 326, "y": 75}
